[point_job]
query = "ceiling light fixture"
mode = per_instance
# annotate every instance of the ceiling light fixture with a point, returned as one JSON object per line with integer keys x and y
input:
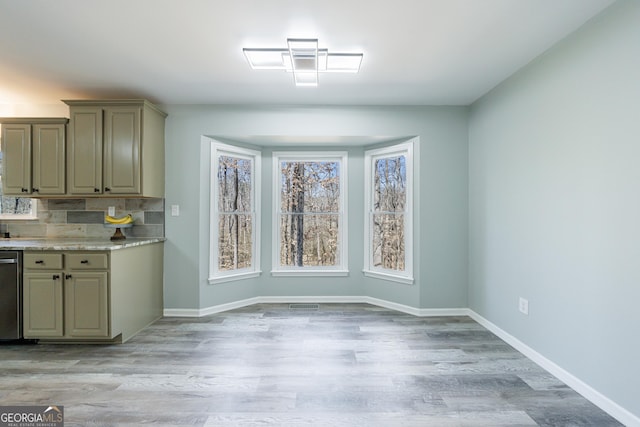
{"x": 304, "y": 60}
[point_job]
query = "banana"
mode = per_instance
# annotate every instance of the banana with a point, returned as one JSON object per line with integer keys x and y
{"x": 127, "y": 219}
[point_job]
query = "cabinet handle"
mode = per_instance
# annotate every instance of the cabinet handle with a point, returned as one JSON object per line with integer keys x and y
{"x": 35, "y": 190}
{"x": 56, "y": 276}
{"x": 107, "y": 189}
{"x": 96, "y": 190}
{"x": 84, "y": 261}
{"x": 24, "y": 190}
{"x": 67, "y": 276}
{"x": 39, "y": 261}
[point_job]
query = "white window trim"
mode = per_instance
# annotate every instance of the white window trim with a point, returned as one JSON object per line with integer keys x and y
{"x": 407, "y": 149}
{"x": 33, "y": 215}
{"x": 342, "y": 268}
{"x": 22, "y": 217}
{"x": 219, "y": 149}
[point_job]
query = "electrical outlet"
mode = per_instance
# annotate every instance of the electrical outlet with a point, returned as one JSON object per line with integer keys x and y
{"x": 175, "y": 210}
{"x": 523, "y": 306}
{"x": 111, "y": 210}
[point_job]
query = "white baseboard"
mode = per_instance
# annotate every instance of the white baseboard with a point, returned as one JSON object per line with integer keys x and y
{"x": 200, "y": 312}
{"x": 598, "y": 399}
{"x": 595, "y": 397}
{"x": 421, "y": 312}
{"x": 181, "y": 312}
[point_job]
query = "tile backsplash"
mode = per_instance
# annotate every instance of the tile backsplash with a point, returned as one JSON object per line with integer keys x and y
{"x": 85, "y": 218}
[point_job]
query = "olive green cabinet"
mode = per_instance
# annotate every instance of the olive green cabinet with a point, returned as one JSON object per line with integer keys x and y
{"x": 71, "y": 302}
{"x": 42, "y": 296}
{"x": 33, "y": 156}
{"x": 84, "y": 152}
{"x": 115, "y": 147}
{"x": 86, "y": 304}
{"x": 91, "y": 296}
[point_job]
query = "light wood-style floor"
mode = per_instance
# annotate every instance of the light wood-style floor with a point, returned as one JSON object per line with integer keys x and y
{"x": 270, "y": 365}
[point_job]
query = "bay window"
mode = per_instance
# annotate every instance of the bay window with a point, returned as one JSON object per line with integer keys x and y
{"x": 389, "y": 213}
{"x": 235, "y": 190}
{"x": 309, "y": 222}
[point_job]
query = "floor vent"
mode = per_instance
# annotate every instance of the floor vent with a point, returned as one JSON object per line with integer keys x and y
{"x": 304, "y": 306}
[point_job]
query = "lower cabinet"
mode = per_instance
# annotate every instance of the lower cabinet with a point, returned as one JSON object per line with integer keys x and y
{"x": 66, "y": 302}
{"x": 42, "y": 296}
{"x": 91, "y": 296}
{"x": 86, "y": 299}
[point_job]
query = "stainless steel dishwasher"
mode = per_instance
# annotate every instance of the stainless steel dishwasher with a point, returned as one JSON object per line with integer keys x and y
{"x": 10, "y": 295}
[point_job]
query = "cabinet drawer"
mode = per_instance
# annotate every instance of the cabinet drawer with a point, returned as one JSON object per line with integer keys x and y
{"x": 87, "y": 261}
{"x": 42, "y": 261}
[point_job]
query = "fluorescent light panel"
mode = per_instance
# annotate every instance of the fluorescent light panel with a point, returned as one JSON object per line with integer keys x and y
{"x": 343, "y": 62}
{"x": 267, "y": 59}
{"x": 304, "y": 60}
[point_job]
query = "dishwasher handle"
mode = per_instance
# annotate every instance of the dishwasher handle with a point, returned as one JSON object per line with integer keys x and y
{"x": 8, "y": 261}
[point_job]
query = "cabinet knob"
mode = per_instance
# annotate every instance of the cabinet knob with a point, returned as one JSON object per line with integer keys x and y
{"x": 107, "y": 189}
{"x": 96, "y": 190}
{"x": 56, "y": 276}
{"x": 84, "y": 261}
{"x": 67, "y": 276}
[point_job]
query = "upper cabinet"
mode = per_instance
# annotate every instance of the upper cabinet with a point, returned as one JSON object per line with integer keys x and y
{"x": 115, "y": 148}
{"x": 33, "y": 152}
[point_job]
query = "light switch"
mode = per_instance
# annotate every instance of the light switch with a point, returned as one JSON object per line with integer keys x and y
{"x": 175, "y": 210}
{"x": 111, "y": 211}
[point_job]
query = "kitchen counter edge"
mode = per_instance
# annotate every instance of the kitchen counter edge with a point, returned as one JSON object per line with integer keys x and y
{"x": 25, "y": 244}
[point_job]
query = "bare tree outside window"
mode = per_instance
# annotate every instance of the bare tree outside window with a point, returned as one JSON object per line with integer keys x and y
{"x": 235, "y": 212}
{"x": 388, "y": 213}
{"x": 389, "y": 191}
{"x": 13, "y": 206}
{"x": 235, "y": 216}
{"x": 309, "y": 213}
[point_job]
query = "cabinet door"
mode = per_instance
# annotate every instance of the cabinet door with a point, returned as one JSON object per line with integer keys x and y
{"x": 42, "y": 297}
{"x": 86, "y": 304}
{"x": 122, "y": 150}
{"x": 84, "y": 155}
{"x": 49, "y": 159}
{"x": 16, "y": 152}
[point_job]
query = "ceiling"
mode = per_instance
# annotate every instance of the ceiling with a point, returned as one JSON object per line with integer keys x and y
{"x": 416, "y": 52}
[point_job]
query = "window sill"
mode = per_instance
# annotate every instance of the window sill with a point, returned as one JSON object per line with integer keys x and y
{"x": 234, "y": 277}
{"x": 310, "y": 273}
{"x": 390, "y": 277}
{"x": 11, "y": 217}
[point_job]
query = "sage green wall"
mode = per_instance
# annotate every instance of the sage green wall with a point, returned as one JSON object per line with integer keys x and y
{"x": 441, "y": 263}
{"x": 555, "y": 204}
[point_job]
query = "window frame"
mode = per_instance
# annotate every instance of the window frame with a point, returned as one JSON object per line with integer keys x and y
{"x": 341, "y": 269}
{"x": 219, "y": 149}
{"x": 407, "y": 149}
{"x": 33, "y": 215}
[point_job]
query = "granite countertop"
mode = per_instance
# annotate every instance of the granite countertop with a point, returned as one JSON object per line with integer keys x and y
{"x": 74, "y": 244}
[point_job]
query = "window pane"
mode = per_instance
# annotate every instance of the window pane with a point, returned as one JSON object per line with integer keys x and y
{"x": 309, "y": 240}
{"x": 235, "y": 241}
{"x": 235, "y": 215}
{"x": 390, "y": 178}
{"x": 388, "y": 241}
{"x": 234, "y": 184}
{"x": 310, "y": 186}
{"x": 13, "y": 205}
